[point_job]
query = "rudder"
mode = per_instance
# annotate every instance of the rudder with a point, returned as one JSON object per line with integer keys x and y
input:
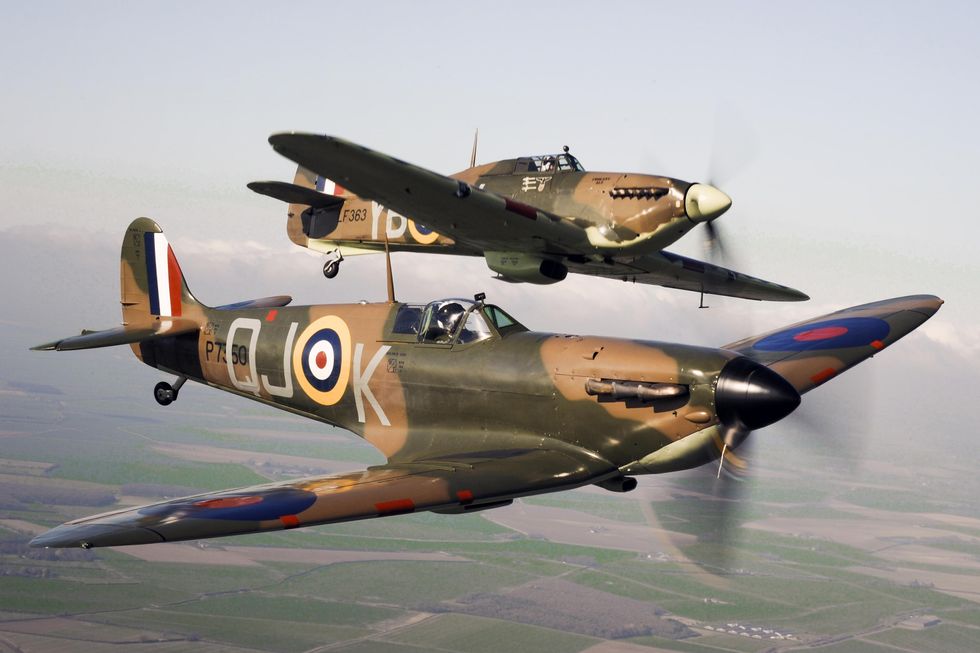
{"x": 308, "y": 179}
{"x": 150, "y": 280}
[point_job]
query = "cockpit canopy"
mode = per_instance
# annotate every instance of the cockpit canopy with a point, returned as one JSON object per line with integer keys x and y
{"x": 452, "y": 321}
{"x": 564, "y": 162}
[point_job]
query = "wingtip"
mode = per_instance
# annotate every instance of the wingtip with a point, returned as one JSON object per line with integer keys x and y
{"x": 284, "y": 139}
{"x": 54, "y": 539}
{"x": 932, "y": 303}
{"x": 926, "y": 303}
{"x": 86, "y": 536}
{"x": 786, "y": 294}
{"x": 278, "y": 136}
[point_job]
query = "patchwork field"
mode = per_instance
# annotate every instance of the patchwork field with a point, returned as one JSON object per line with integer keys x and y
{"x": 810, "y": 560}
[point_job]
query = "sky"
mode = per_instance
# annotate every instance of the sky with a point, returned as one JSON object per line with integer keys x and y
{"x": 844, "y": 132}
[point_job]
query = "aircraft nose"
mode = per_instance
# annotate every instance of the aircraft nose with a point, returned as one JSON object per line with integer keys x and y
{"x": 704, "y": 202}
{"x": 752, "y": 395}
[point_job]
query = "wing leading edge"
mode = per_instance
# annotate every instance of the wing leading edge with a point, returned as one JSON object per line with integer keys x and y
{"x": 453, "y": 483}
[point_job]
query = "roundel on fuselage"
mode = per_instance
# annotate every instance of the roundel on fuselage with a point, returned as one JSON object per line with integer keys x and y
{"x": 422, "y": 234}
{"x": 321, "y": 360}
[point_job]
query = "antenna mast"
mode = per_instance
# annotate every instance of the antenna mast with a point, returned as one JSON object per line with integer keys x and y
{"x": 476, "y": 137}
{"x": 391, "y": 279}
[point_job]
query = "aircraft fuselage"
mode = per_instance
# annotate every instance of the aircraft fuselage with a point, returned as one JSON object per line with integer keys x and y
{"x": 348, "y": 365}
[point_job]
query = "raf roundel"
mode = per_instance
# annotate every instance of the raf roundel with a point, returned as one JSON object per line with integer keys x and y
{"x": 262, "y": 506}
{"x": 321, "y": 360}
{"x": 422, "y": 234}
{"x": 827, "y": 334}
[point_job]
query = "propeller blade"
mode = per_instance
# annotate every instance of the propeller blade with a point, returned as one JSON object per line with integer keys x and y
{"x": 715, "y": 249}
{"x": 748, "y": 396}
{"x": 734, "y": 146}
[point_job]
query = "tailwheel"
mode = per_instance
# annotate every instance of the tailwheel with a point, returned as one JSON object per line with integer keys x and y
{"x": 166, "y": 394}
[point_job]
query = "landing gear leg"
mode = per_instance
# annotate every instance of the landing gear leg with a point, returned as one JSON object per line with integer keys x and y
{"x": 166, "y": 394}
{"x": 332, "y": 266}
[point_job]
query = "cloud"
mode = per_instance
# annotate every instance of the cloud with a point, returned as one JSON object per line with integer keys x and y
{"x": 961, "y": 339}
{"x": 227, "y": 248}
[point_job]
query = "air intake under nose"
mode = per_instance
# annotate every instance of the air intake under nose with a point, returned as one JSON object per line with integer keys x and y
{"x": 752, "y": 396}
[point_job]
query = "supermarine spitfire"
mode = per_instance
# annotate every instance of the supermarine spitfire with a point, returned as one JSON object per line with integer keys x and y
{"x": 534, "y": 219}
{"x": 470, "y": 408}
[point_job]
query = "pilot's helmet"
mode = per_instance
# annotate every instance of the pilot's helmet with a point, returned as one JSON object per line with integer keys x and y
{"x": 449, "y": 314}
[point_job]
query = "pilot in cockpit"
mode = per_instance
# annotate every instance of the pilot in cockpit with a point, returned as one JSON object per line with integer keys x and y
{"x": 447, "y": 319}
{"x": 441, "y": 322}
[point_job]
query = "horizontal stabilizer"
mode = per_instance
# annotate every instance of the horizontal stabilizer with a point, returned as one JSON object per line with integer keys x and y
{"x": 276, "y": 301}
{"x": 293, "y": 194}
{"x": 453, "y": 483}
{"x": 809, "y": 353}
{"x": 124, "y": 335}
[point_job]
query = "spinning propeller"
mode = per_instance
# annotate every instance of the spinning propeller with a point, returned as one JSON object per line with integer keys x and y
{"x": 739, "y": 151}
{"x": 750, "y": 396}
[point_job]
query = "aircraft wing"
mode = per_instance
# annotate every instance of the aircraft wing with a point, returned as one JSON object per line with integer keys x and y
{"x": 809, "y": 353}
{"x": 676, "y": 271}
{"x": 453, "y": 483}
{"x": 474, "y": 217}
{"x": 124, "y": 335}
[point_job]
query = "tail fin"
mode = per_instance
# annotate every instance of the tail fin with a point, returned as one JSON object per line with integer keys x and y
{"x": 150, "y": 280}
{"x": 322, "y": 184}
{"x": 308, "y": 192}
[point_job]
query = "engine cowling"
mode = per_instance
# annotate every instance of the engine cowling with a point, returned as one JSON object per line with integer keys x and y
{"x": 529, "y": 268}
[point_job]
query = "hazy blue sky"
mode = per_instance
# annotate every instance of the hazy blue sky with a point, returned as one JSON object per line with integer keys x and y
{"x": 845, "y": 132}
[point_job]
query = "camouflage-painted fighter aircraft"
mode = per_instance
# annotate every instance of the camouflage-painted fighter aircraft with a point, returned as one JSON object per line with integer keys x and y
{"x": 534, "y": 219}
{"x": 470, "y": 408}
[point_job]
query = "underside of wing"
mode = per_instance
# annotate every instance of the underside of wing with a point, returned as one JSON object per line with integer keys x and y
{"x": 124, "y": 335}
{"x": 470, "y": 216}
{"x": 676, "y": 271}
{"x": 809, "y": 353}
{"x": 448, "y": 483}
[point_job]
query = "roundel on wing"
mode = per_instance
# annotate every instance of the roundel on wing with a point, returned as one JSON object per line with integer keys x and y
{"x": 829, "y": 334}
{"x": 321, "y": 360}
{"x": 262, "y": 506}
{"x": 422, "y": 234}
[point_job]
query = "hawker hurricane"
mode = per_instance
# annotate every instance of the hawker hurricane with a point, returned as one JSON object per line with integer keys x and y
{"x": 533, "y": 219}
